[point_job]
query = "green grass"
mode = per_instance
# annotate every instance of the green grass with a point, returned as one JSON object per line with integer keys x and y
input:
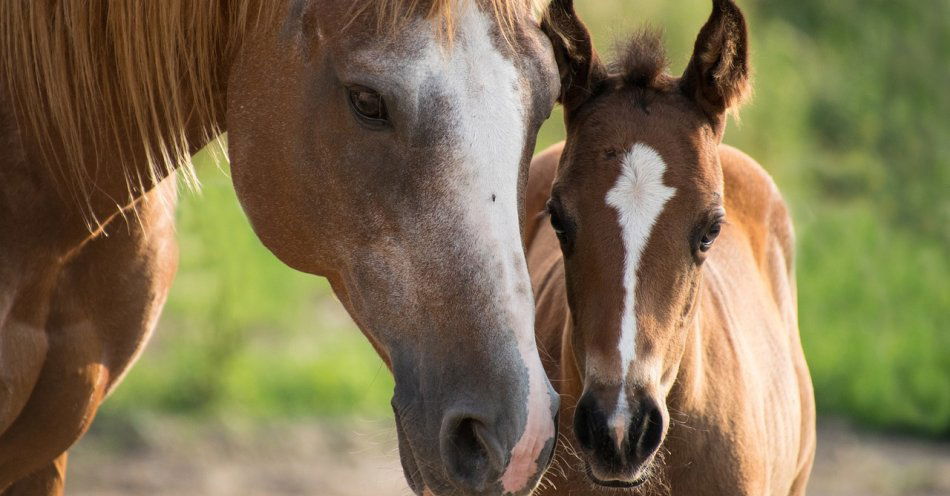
{"x": 849, "y": 116}
{"x": 242, "y": 334}
{"x": 874, "y": 305}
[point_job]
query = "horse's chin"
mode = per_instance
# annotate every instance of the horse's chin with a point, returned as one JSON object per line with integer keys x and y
{"x": 418, "y": 482}
{"x": 408, "y": 460}
{"x": 643, "y": 475}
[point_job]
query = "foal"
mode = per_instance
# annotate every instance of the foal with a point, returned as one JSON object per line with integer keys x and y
{"x": 665, "y": 290}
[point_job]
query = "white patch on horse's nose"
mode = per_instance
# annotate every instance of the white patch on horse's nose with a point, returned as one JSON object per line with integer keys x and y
{"x": 488, "y": 102}
{"x": 539, "y": 428}
{"x": 639, "y": 197}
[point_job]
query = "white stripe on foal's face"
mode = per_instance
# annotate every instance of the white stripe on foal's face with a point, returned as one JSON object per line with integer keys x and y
{"x": 639, "y": 197}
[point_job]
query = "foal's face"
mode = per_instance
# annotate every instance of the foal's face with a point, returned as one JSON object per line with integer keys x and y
{"x": 394, "y": 165}
{"x": 637, "y": 204}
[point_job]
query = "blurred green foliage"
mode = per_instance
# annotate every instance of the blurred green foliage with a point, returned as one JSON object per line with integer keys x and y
{"x": 851, "y": 116}
{"x": 243, "y": 334}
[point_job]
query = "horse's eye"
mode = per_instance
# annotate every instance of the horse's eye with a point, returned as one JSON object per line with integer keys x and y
{"x": 368, "y": 105}
{"x": 711, "y": 234}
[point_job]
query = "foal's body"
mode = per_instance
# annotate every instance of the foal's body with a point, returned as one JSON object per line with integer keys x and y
{"x": 664, "y": 286}
{"x": 742, "y": 403}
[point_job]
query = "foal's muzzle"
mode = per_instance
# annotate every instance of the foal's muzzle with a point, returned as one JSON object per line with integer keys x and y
{"x": 618, "y": 448}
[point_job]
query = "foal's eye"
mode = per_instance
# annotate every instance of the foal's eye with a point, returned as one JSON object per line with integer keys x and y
{"x": 368, "y": 105}
{"x": 712, "y": 232}
{"x": 558, "y": 224}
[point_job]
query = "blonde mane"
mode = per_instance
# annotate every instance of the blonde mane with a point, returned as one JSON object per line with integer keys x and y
{"x": 79, "y": 72}
{"x": 89, "y": 73}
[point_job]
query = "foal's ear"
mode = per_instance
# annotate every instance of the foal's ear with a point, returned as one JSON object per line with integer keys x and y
{"x": 580, "y": 68}
{"x": 717, "y": 76}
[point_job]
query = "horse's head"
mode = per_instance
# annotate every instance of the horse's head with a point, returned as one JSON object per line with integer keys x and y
{"x": 393, "y": 162}
{"x": 637, "y": 203}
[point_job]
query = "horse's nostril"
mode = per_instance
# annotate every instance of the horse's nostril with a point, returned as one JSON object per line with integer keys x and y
{"x": 473, "y": 458}
{"x": 649, "y": 431}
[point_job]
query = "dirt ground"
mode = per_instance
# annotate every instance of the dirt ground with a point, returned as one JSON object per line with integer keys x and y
{"x": 167, "y": 457}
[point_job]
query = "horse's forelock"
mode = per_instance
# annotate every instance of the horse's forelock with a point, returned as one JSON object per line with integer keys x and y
{"x": 391, "y": 15}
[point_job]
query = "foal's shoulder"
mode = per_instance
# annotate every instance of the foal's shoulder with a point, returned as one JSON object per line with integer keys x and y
{"x": 755, "y": 202}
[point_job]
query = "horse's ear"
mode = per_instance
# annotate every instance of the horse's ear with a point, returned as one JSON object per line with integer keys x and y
{"x": 580, "y": 68}
{"x": 717, "y": 76}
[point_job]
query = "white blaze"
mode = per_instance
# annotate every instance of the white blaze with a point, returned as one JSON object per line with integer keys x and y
{"x": 639, "y": 196}
{"x": 487, "y": 106}
{"x": 491, "y": 137}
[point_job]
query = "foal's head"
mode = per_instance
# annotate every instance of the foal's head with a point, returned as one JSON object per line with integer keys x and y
{"x": 385, "y": 144}
{"x": 637, "y": 203}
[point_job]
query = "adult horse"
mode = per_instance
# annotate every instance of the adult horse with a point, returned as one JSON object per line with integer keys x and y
{"x": 381, "y": 144}
{"x": 664, "y": 281}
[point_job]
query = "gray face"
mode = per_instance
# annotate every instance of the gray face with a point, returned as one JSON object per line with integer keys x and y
{"x": 395, "y": 167}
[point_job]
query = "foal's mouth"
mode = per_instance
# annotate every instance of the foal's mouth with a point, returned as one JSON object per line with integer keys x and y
{"x": 641, "y": 479}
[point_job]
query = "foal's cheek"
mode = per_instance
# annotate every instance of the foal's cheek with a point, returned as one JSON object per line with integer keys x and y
{"x": 578, "y": 350}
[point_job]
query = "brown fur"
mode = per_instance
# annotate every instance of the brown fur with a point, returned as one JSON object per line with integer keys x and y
{"x": 717, "y": 336}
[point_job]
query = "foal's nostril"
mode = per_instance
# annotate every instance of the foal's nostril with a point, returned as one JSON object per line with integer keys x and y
{"x": 584, "y": 428}
{"x": 649, "y": 431}
{"x": 473, "y": 457}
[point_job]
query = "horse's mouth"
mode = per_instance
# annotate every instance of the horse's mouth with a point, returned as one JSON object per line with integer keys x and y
{"x": 409, "y": 466}
{"x": 617, "y": 484}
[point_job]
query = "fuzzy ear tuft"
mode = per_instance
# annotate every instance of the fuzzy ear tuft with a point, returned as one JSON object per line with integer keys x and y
{"x": 578, "y": 64}
{"x": 642, "y": 59}
{"x": 717, "y": 76}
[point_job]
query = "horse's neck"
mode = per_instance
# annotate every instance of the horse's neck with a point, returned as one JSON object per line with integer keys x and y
{"x": 112, "y": 183}
{"x": 117, "y": 127}
{"x": 34, "y": 214}
{"x": 121, "y": 183}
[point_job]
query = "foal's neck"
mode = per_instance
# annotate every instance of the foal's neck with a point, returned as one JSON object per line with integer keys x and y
{"x": 690, "y": 377}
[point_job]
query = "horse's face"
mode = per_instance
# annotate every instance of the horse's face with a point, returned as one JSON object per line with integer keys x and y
{"x": 637, "y": 203}
{"x": 636, "y": 196}
{"x": 395, "y": 165}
